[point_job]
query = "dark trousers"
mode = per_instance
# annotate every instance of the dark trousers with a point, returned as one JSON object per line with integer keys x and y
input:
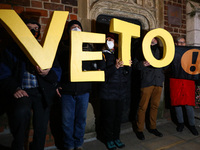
{"x": 19, "y": 118}
{"x": 111, "y": 112}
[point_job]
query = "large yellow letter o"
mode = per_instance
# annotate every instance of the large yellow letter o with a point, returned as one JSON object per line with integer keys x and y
{"x": 168, "y": 47}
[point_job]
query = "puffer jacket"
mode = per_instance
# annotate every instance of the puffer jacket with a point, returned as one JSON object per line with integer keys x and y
{"x": 115, "y": 85}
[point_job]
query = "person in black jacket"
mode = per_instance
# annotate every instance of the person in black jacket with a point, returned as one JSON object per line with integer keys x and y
{"x": 113, "y": 93}
{"x": 29, "y": 89}
{"x": 151, "y": 88}
{"x": 74, "y": 95}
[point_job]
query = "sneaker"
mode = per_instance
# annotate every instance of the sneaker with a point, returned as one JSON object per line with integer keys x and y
{"x": 140, "y": 135}
{"x": 111, "y": 145}
{"x": 119, "y": 144}
{"x": 180, "y": 127}
{"x": 193, "y": 130}
{"x": 155, "y": 132}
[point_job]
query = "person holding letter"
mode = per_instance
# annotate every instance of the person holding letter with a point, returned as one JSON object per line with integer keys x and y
{"x": 74, "y": 95}
{"x": 182, "y": 94}
{"x": 151, "y": 88}
{"x": 29, "y": 89}
{"x": 113, "y": 93}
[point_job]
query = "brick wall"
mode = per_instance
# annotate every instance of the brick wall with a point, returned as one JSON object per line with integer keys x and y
{"x": 175, "y": 30}
{"x": 40, "y": 10}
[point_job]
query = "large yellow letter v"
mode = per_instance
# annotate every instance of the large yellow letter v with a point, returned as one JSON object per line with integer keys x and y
{"x": 42, "y": 55}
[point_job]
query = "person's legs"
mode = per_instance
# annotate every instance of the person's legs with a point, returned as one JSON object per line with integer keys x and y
{"x": 107, "y": 115}
{"x": 107, "y": 120}
{"x": 190, "y": 115}
{"x": 154, "y": 104}
{"x": 191, "y": 119}
{"x": 180, "y": 119}
{"x": 68, "y": 116}
{"x": 117, "y": 120}
{"x": 117, "y": 123}
{"x": 179, "y": 114}
{"x": 40, "y": 120}
{"x": 19, "y": 120}
{"x": 143, "y": 104}
{"x": 80, "y": 118}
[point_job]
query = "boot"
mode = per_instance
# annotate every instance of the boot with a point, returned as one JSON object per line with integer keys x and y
{"x": 180, "y": 127}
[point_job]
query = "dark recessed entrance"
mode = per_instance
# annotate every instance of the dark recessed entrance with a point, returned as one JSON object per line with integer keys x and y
{"x": 103, "y": 21}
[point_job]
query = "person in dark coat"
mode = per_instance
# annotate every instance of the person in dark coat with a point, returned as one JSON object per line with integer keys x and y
{"x": 182, "y": 94}
{"x": 29, "y": 89}
{"x": 113, "y": 93}
{"x": 151, "y": 88}
{"x": 74, "y": 95}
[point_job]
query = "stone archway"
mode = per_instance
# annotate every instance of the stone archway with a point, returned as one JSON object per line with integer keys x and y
{"x": 126, "y": 9}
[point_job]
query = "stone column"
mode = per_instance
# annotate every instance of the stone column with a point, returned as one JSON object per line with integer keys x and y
{"x": 193, "y": 29}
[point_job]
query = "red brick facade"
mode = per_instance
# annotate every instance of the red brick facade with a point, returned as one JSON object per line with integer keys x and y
{"x": 175, "y": 30}
{"x": 41, "y": 9}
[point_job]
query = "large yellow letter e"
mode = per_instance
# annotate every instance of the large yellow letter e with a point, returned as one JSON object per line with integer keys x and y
{"x": 77, "y": 56}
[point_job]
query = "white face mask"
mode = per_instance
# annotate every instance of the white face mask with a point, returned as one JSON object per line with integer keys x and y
{"x": 76, "y": 29}
{"x": 110, "y": 44}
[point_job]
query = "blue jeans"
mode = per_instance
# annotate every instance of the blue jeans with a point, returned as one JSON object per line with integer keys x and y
{"x": 190, "y": 114}
{"x": 74, "y": 113}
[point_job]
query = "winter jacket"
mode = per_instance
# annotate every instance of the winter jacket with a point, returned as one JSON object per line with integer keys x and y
{"x": 115, "y": 85}
{"x": 12, "y": 67}
{"x": 68, "y": 87}
{"x": 149, "y": 76}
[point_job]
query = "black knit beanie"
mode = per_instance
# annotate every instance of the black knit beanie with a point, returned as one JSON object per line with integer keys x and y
{"x": 72, "y": 22}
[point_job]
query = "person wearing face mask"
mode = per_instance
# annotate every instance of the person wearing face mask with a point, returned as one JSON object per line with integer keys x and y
{"x": 29, "y": 90}
{"x": 34, "y": 27}
{"x": 74, "y": 95}
{"x": 113, "y": 93}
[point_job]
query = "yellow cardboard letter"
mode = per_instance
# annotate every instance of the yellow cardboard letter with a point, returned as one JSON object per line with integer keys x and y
{"x": 77, "y": 56}
{"x": 44, "y": 55}
{"x": 126, "y": 31}
{"x": 168, "y": 47}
